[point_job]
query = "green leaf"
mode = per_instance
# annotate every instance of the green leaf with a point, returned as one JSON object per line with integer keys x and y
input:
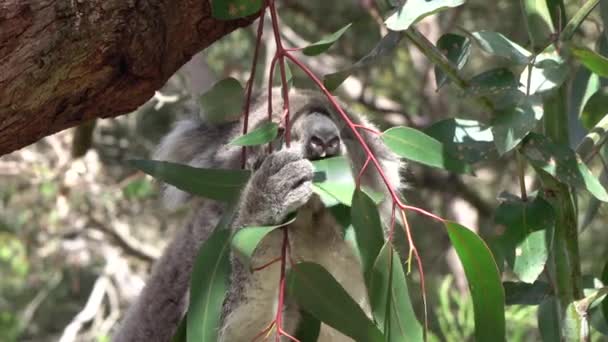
{"x": 548, "y": 72}
{"x": 308, "y": 328}
{"x": 484, "y": 282}
{"x": 223, "y": 102}
{"x": 595, "y": 108}
{"x": 595, "y": 62}
{"x": 492, "y": 82}
{"x": 578, "y": 18}
{"x": 368, "y": 229}
{"x": 317, "y": 292}
{"x": 604, "y": 305}
{"x": 325, "y": 43}
{"x": 217, "y": 184}
{"x": 519, "y": 293}
{"x": 415, "y": 145}
{"x": 209, "y": 285}
{"x": 467, "y": 140}
{"x": 246, "y": 240}
{"x": 528, "y": 229}
{"x": 402, "y": 322}
{"x": 181, "y": 331}
{"x": 263, "y": 134}
{"x": 548, "y": 320}
{"x": 511, "y": 126}
{"x": 496, "y": 44}
{"x": 457, "y": 49}
{"x": 540, "y": 25}
{"x": 234, "y": 9}
{"x": 414, "y": 10}
{"x": 337, "y": 184}
{"x": 384, "y": 47}
{"x": 563, "y": 164}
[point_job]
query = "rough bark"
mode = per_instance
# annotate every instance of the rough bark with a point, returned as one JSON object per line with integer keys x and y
{"x": 64, "y": 62}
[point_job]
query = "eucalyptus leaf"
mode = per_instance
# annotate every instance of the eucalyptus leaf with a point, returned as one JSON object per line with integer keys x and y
{"x": 247, "y": 239}
{"x": 497, "y": 44}
{"x": 539, "y": 22}
{"x": 484, "y": 282}
{"x": 520, "y": 293}
{"x": 325, "y": 43}
{"x": 217, "y": 184}
{"x": 389, "y": 294}
{"x": 467, "y": 140}
{"x": 263, "y": 134}
{"x": 415, "y": 145}
{"x": 595, "y": 109}
{"x": 563, "y": 164}
{"x": 223, "y": 102}
{"x": 337, "y": 184}
{"x": 511, "y": 126}
{"x": 414, "y": 10}
{"x": 368, "y": 229}
{"x": 209, "y": 285}
{"x": 492, "y": 82}
{"x": 548, "y": 72}
{"x": 317, "y": 291}
{"x": 457, "y": 49}
{"x": 593, "y": 61}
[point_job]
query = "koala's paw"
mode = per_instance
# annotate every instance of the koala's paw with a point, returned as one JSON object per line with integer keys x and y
{"x": 283, "y": 182}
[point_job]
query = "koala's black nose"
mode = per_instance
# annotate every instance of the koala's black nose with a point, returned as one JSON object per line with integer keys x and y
{"x": 323, "y": 145}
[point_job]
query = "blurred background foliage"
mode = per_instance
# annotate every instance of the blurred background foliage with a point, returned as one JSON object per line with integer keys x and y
{"x": 75, "y": 219}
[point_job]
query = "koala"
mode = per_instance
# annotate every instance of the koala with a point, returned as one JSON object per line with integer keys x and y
{"x": 280, "y": 184}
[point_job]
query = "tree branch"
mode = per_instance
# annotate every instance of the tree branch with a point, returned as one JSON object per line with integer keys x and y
{"x": 65, "y": 62}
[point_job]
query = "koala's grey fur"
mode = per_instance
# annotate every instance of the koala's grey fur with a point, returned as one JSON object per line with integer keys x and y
{"x": 282, "y": 183}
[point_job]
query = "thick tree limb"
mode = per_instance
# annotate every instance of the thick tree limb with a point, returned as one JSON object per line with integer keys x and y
{"x": 64, "y": 62}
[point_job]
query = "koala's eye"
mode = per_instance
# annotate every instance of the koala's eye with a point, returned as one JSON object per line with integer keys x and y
{"x": 314, "y": 141}
{"x": 333, "y": 142}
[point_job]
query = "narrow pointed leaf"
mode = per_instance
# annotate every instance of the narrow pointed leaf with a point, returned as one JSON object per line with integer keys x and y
{"x": 234, "y": 9}
{"x": 417, "y": 146}
{"x": 223, "y": 102}
{"x": 368, "y": 229}
{"x": 562, "y": 164}
{"x": 548, "y": 321}
{"x": 484, "y": 282}
{"x": 496, "y": 44}
{"x": 217, "y": 184}
{"x": 308, "y": 328}
{"x": 457, "y": 49}
{"x": 595, "y": 108}
{"x": 246, "y": 240}
{"x": 540, "y": 24}
{"x": 317, "y": 292}
{"x": 209, "y": 286}
{"x": 263, "y": 134}
{"x": 325, "y": 42}
{"x": 414, "y": 10}
{"x": 593, "y": 61}
{"x": 403, "y": 324}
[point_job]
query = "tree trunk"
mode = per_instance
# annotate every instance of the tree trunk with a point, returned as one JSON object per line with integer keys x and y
{"x": 64, "y": 62}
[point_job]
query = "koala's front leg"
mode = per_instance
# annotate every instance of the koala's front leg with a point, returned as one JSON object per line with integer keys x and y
{"x": 281, "y": 185}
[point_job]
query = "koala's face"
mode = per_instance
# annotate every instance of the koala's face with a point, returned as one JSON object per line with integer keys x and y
{"x": 318, "y": 135}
